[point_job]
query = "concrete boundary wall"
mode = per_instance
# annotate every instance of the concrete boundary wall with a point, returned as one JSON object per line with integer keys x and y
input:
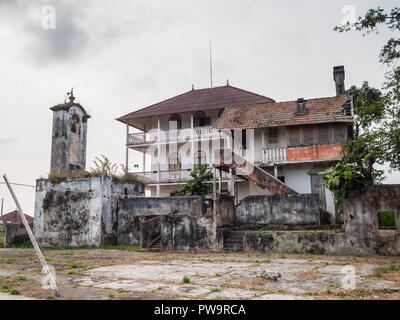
{"x": 80, "y": 211}
{"x": 278, "y": 210}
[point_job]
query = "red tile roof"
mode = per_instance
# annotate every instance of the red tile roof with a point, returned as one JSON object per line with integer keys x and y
{"x": 200, "y": 100}
{"x": 15, "y": 217}
{"x": 322, "y": 110}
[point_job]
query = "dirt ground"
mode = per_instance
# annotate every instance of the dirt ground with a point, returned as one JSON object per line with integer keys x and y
{"x": 87, "y": 274}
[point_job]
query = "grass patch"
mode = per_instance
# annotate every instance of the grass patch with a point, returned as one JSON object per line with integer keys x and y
{"x": 186, "y": 279}
{"x": 15, "y": 292}
{"x": 135, "y": 248}
{"x": 21, "y": 278}
{"x": 50, "y": 298}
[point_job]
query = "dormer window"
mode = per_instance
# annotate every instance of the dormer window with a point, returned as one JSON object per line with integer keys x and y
{"x": 301, "y": 107}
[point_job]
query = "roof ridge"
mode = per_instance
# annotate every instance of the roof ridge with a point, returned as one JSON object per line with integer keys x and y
{"x": 257, "y": 94}
{"x": 154, "y": 104}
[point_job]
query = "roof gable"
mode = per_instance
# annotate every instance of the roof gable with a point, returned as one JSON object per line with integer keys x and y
{"x": 200, "y": 100}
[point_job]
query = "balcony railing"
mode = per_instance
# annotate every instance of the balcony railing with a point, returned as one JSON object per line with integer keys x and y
{"x": 181, "y": 135}
{"x": 168, "y": 176}
{"x": 275, "y": 155}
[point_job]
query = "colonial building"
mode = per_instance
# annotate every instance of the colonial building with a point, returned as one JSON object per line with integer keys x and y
{"x": 289, "y": 142}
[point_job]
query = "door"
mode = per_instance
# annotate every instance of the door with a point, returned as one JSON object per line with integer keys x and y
{"x": 318, "y": 187}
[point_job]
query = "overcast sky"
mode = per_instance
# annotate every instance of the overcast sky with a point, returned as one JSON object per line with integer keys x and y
{"x": 123, "y": 55}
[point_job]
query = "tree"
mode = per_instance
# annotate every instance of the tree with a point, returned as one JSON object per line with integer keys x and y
{"x": 376, "y": 134}
{"x": 390, "y": 57}
{"x": 362, "y": 150}
{"x": 198, "y": 185}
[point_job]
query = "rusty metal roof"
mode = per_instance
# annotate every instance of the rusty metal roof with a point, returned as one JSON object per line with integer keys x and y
{"x": 200, "y": 100}
{"x": 275, "y": 114}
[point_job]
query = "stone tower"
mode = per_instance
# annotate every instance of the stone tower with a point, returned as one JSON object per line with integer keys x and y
{"x": 68, "y": 148}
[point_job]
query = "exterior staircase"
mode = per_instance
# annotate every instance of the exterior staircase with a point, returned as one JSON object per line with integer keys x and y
{"x": 233, "y": 241}
{"x": 251, "y": 172}
{"x": 155, "y": 245}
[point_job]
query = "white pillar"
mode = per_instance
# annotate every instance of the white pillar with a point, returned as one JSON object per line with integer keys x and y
{"x": 127, "y": 148}
{"x": 191, "y": 138}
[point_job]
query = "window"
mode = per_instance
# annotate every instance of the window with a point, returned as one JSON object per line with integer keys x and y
{"x": 273, "y": 135}
{"x": 282, "y": 179}
{"x": 200, "y": 158}
{"x": 386, "y": 220}
{"x": 174, "y": 162}
{"x": 294, "y": 136}
{"x": 323, "y": 134}
{"x": 339, "y": 133}
{"x": 175, "y": 122}
{"x": 200, "y": 119}
{"x": 308, "y": 135}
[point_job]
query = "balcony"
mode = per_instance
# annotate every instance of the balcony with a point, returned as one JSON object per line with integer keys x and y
{"x": 168, "y": 176}
{"x": 302, "y": 154}
{"x": 275, "y": 155}
{"x": 173, "y": 136}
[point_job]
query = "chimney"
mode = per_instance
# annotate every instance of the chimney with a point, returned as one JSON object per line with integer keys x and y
{"x": 339, "y": 76}
{"x": 301, "y": 107}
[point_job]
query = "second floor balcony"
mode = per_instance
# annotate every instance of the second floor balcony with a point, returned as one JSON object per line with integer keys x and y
{"x": 173, "y": 136}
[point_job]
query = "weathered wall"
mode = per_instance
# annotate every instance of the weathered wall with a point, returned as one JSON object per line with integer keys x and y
{"x": 278, "y": 210}
{"x": 186, "y": 233}
{"x": 361, "y": 218}
{"x": 132, "y": 211}
{"x": 361, "y": 230}
{"x": 69, "y": 137}
{"x": 79, "y": 211}
{"x": 13, "y": 230}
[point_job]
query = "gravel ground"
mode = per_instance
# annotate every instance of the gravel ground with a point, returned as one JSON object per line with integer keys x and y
{"x": 87, "y": 274}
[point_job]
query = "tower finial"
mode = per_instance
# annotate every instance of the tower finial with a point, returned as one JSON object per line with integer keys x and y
{"x": 227, "y": 82}
{"x": 71, "y": 95}
{"x": 192, "y": 87}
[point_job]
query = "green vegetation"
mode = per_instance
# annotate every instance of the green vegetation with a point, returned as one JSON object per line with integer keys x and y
{"x": 50, "y": 298}
{"x": 2, "y": 235}
{"x": 186, "y": 279}
{"x": 386, "y": 219}
{"x": 15, "y": 292}
{"x": 376, "y": 129}
{"x": 198, "y": 185}
{"x": 22, "y": 241}
{"x": 102, "y": 166}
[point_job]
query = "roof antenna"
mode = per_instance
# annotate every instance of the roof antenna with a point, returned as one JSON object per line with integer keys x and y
{"x": 211, "y": 71}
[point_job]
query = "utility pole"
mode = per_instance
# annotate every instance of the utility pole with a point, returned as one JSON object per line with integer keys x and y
{"x": 46, "y": 269}
{"x": 211, "y": 71}
{"x": 2, "y": 203}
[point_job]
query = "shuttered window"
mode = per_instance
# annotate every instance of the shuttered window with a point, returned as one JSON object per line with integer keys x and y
{"x": 308, "y": 135}
{"x": 273, "y": 135}
{"x": 339, "y": 133}
{"x": 294, "y": 136}
{"x": 323, "y": 134}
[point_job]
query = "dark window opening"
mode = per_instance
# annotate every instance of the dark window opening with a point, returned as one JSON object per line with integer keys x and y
{"x": 294, "y": 136}
{"x": 200, "y": 119}
{"x": 386, "y": 220}
{"x": 273, "y": 135}
{"x": 282, "y": 179}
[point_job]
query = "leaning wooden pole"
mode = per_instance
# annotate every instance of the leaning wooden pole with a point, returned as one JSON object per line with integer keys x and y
{"x": 33, "y": 240}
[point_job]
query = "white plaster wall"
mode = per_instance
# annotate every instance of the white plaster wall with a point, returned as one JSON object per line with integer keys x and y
{"x": 298, "y": 178}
